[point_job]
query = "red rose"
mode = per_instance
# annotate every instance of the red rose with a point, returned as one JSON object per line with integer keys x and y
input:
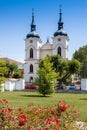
{"x": 52, "y": 112}
{"x": 63, "y": 108}
{"x": 22, "y": 120}
{"x": 21, "y": 123}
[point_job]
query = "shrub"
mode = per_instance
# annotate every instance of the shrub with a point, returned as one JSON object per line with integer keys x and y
{"x": 58, "y": 117}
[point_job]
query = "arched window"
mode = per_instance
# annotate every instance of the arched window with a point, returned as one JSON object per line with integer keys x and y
{"x": 31, "y": 68}
{"x": 31, "y": 79}
{"x": 59, "y": 51}
{"x": 31, "y": 53}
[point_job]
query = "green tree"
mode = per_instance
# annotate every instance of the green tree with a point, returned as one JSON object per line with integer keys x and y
{"x": 72, "y": 68}
{"x": 64, "y": 68}
{"x": 17, "y": 74}
{"x": 81, "y": 56}
{"x": 46, "y": 79}
{"x": 3, "y": 71}
{"x": 13, "y": 71}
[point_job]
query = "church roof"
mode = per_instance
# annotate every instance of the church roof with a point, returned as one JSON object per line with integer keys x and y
{"x": 32, "y": 34}
{"x": 60, "y": 30}
{"x": 33, "y": 28}
{"x": 47, "y": 45}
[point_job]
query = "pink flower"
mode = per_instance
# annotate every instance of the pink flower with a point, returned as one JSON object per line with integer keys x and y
{"x": 8, "y": 109}
{"x": 30, "y": 128}
{"x": 40, "y": 110}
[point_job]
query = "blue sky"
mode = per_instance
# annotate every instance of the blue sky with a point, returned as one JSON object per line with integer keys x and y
{"x": 15, "y": 20}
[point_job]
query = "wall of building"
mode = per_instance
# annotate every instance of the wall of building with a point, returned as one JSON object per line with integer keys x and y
{"x": 12, "y": 85}
{"x": 27, "y": 73}
{"x": 44, "y": 53}
{"x": 83, "y": 84}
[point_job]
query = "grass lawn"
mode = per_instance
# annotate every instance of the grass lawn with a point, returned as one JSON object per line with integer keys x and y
{"x": 23, "y": 98}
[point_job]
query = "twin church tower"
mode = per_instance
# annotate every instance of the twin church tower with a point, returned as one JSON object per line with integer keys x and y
{"x": 35, "y": 49}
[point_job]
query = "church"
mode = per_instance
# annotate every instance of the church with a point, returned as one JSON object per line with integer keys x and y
{"x": 35, "y": 49}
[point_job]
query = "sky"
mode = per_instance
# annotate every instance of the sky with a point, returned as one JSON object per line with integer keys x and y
{"x": 15, "y": 20}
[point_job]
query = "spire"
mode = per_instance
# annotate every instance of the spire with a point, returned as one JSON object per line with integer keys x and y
{"x": 47, "y": 40}
{"x": 60, "y": 23}
{"x": 33, "y": 26}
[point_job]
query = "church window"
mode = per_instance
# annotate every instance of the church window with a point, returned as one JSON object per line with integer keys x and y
{"x": 31, "y": 53}
{"x": 59, "y": 51}
{"x": 59, "y": 39}
{"x": 31, "y": 41}
{"x": 31, "y": 79}
{"x": 31, "y": 68}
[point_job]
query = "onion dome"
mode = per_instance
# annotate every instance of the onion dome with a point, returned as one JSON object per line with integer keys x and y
{"x": 33, "y": 28}
{"x": 60, "y": 30}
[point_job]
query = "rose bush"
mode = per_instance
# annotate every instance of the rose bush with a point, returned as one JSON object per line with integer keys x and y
{"x": 58, "y": 117}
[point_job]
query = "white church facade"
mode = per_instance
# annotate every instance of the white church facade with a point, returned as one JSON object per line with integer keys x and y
{"x": 35, "y": 49}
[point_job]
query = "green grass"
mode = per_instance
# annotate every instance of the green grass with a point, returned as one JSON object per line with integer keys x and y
{"x": 23, "y": 98}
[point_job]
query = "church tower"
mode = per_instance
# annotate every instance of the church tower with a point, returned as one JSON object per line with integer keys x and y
{"x": 60, "y": 40}
{"x": 34, "y": 50}
{"x": 32, "y": 53}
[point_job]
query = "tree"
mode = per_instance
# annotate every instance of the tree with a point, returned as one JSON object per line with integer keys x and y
{"x": 17, "y": 74}
{"x": 81, "y": 56}
{"x": 3, "y": 71}
{"x": 46, "y": 77}
{"x": 13, "y": 71}
{"x": 72, "y": 68}
{"x": 64, "y": 68}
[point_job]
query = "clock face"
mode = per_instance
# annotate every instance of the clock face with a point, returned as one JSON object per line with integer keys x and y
{"x": 31, "y": 41}
{"x": 59, "y": 39}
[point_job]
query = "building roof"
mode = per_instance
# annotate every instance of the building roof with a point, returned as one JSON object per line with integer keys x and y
{"x": 10, "y": 60}
{"x": 60, "y": 31}
{"x": 32, "y": 34}
{"x": 47, "y": 45}
{"x": 33, "y": 28}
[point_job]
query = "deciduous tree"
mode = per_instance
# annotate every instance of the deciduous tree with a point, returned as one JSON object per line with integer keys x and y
{"x": 81, "y": 56}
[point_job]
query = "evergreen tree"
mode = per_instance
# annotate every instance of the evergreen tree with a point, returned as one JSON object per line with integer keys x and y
{"x": 46, "y": 79}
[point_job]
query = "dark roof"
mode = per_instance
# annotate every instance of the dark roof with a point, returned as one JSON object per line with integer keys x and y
{"x": 32, "y": 34}
{"x": 60, "y": 32}
{"x": 33, "y": 28}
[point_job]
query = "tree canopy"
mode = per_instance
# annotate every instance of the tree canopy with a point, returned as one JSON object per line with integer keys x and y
{"x": 46, "y": 77}
{"x": 81, "y": 56}
{"x": 3, "y": 71}
{"x": 9, "y": 70}
{"x": 63, "y": 68}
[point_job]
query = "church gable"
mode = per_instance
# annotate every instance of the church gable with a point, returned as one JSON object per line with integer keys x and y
{"x": 46, "y": 46}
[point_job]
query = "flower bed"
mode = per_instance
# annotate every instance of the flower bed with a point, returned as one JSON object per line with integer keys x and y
{"x": 61, "y": 116}
{"x": 31, "y": 87}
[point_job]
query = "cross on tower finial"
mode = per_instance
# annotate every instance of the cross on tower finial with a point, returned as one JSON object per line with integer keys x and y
{"x": 60, "y": 23}
{"x": 48, "y": 39}
{"x": 60, "y": 6}
{"x": 33, "y": 26}
{"x": 32, "y": 12}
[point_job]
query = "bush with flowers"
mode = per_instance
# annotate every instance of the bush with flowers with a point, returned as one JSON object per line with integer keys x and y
{"x": 58, "y": 117}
